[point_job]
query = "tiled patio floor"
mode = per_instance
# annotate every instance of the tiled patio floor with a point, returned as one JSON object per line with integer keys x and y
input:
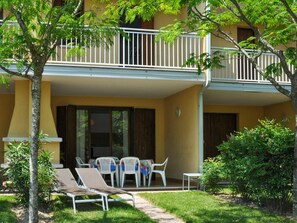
{"x": 157, "y": 185}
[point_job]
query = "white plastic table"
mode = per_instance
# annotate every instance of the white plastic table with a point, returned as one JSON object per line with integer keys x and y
{"x": 189, "y": 175}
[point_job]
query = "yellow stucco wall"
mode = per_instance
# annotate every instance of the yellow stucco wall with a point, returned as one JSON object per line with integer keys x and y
{"x": 20, "y": 118}
{"x": 20, "y": 123}
{"x": 47, "y": 123}
{"x": 7, "y": 102}
{"x": 218, "y": 42}
{"x": 156, "y": 104}
{"x": 280, "y": 112}
{"x": 181, "y": 133}
{"x": 160, "y": 19}
{"x": 248, "y": 116}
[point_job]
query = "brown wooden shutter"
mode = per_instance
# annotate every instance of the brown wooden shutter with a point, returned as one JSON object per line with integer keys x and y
{"x": 144, "y": 133}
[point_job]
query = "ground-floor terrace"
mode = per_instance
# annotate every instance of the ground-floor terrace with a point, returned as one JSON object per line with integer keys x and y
{"x": 89, "y": 117}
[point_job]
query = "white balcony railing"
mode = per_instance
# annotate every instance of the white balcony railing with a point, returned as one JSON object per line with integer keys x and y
{"x": 237, "y": 68}
{"x": 139, "y": 50}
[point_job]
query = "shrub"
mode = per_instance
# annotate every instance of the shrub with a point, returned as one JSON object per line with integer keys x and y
{"x": 213, "y": 173}
{"x": 260, "y": 162}
{"x": 18, "y": 155}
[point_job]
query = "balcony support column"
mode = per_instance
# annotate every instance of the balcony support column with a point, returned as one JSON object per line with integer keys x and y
{"x": 20, "y": 124}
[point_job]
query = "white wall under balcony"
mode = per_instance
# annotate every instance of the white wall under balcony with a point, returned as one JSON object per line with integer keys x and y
{"x": 71, "y": 80}
{"x": 250, "y": 94}
{"x": 124, "y": 82}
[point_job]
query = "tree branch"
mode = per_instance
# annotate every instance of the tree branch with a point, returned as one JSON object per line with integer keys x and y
{"x": 16, "y": 73}
{"x": 278, "y": 53}
{"x": 50, "y": 27}
{"x": 25, "y": 31}
{"x": 289, "y": 10}
{"x": 251, "y": 59}
{"x": 79, "y": 5}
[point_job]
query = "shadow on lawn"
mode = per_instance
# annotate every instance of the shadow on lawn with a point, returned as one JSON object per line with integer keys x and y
{"x": 6, "y": 215}
{"x": 92, "y": 212}
{"x": 235, "y": 214}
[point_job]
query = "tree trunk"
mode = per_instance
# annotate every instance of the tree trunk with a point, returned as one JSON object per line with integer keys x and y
{"x": 295, "y": 168}
{"x": 34, "y": 145}
{"x": 294, "y": 103}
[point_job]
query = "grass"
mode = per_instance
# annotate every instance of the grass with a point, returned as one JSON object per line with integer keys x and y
{"x": 6, "y": 214}
{"x": 92, "y": 212}
{"x": 86, "y": 212}
{"x": 200, "y": 207}
{"x": 193, "y": 206}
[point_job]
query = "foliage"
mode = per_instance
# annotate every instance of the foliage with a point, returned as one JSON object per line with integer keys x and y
{"x": 213, "y": 173}
{"x": 274, "y": 25}
{"x": 33, "y": 29}
{"x": 259, "y": 162}
{"x": 200, "y": 207}
{"x": 18, "y": 155}
{"x": 205, "y": 61}
{"x": 28, "y": 37}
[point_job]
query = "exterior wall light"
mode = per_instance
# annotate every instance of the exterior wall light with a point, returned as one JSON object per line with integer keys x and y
{"x": 177, "y": 111}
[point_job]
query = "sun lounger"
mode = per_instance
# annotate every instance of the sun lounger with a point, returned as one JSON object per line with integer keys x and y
{"x": 66, "y": 184}
{"x": 92, "y": 179}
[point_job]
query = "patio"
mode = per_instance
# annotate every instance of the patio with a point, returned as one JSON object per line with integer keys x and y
{"x": 157, "y": 185}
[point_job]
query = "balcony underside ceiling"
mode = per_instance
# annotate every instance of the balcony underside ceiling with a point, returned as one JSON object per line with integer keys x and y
{"x": 245, "y": 94}
{"x": 116, "y": 87}
{"x": 150, "y": 83}
{"x": 117, "y": 82}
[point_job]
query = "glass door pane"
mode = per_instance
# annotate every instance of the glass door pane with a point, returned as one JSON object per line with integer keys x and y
{"x": 100, "y": 133}
{"x": 82, "y": 133}
{"x": 120, "y": 136}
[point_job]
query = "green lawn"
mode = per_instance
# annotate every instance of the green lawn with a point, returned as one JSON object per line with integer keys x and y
{"x": 6, "y": 215}
{"x": 193, "y": 206}
{"x": 87, "y": 212}
{"x": 200, "y": 207}
{"x": 92, "y": 212}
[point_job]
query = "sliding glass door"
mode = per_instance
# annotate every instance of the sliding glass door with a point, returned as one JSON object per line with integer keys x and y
{"x": 102, "y": 132}
{"x": 120, "y": 133}
{"x": 91, "y": 131}
{"x": 82, "y": 132}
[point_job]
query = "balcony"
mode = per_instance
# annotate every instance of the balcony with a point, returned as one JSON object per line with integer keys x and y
{"x": 141, "y": 50}
{"x": 238, "y": 69}
{"x": 138, "y": 50}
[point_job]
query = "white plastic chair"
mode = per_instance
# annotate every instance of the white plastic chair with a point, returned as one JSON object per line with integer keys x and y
{"x": 116, "y": 159}
{"x": 107, "y": 165}
{"x": 159, "y": 171}
{"x": 130, "y": 165}
{"x": 81, "y": 164}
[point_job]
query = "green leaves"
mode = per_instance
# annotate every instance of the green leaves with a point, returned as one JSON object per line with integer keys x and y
{"x": 259, "y": 161}
{"x": 205, "y": 61}
{"x": 18, "y": 155}
{"x": 213, "y": 173}
{"x": 39, "y": 26}
{"x": 4, "y": 80}
{"x": 291, "y": 55}
{"x": 274, "y": 69}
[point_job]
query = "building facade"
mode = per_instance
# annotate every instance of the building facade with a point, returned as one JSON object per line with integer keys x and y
{"x": 136, "y": 98}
